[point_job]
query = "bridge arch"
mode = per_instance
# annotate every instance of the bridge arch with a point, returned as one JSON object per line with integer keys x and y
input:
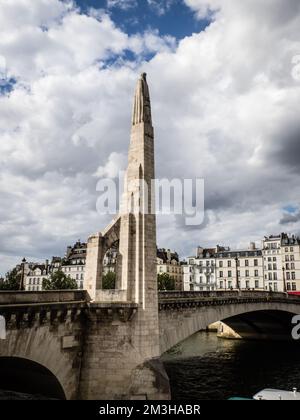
{"x": 177, "y": 325}
{"x": 28, "y": 377}
{"x": 53, "y": 347}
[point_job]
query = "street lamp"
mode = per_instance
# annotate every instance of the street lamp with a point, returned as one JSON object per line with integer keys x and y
{"x": 21, "y": 286}
{"x": 284, "y": 282}
{"x": 237, "y": 272}
{"x": 225, "y": 284}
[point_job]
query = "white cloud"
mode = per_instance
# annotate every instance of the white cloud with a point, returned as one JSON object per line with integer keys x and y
{"x": 225, "y": 107}
{"x": 122, "y": 4}
{"x": 115, "y": 164}
{"x": 161, "y": 6}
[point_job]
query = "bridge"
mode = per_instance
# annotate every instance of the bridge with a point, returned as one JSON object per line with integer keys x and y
{"x": 63, "y": 345}
{"x": 101, "y": 344}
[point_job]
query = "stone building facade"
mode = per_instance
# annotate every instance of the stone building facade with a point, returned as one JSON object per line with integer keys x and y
{"x": 34, "y": 274}
{"x": 199, "y": 274}
{"x": 168, "y": 262}
{"x": 282, "y": 262}
{"x": 73, "y": 264}
{"x": 220, "y": 268}
{"x": 240, "y": 269}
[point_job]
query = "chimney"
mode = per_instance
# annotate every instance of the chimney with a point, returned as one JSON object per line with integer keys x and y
{"x": 69, "y": 250}
{"x": 200, "y": 252}
{"x": 169, "y": 255}
{"x": 252, "y": 246}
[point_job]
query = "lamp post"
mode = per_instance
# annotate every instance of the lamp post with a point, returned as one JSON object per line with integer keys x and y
{"x": 284, "y": 282}
{"x": 237, "y": 272}
{"x": 225, "y": 284}
{"x": 21, "y": 287}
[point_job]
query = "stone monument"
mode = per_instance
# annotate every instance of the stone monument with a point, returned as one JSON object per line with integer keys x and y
{"x": 128, "y": 365}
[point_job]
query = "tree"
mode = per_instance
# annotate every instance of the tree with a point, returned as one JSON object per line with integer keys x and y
{"x": 109, "y": 281}
{"x": 12, "y": 280}
{"x": 59, "y": 281}
{"x": 165, "y": 282}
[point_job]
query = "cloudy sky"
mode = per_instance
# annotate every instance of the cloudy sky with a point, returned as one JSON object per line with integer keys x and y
{"x": 225, "y": 86}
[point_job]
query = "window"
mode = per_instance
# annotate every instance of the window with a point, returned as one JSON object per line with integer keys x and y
{"x": 294, "y": 287}
{"x": 230, "y": 284}
{"x": 293, "y": 276}
{"x": 287, "y": 266}
{"x": 247, "y": 263}
{"x": 293, "y": 266}
{"x": 292, "y": 249}
{"x": 269, "y": 267}
{"x": 270, "y": 276}
{"x": 221, "y": 264}
{"x": 288, "y": 286}
{"x": 274, "y": 259}
{"x": 221, "y": 274}
{"x": 287, "y": 258}
{"x": 286, "y": 250}
{"x": 275, "y": 277}
{"x": 247, "y": 284}
{"x": 292, "y": 258}
{"x": 269, "y": 259}
{"x": 221, "y": 285}
{"x": 77, "y": 276}
{"x": 229, "y": 273}
{"x": 274, "y": 266}
{"x": 247, "y": 273}
{"x": 256, "y": 273}
{"x": 229, "y": 264}
{"x": 255, "y": 263}
{"x": 256, "y": 284}
{"x": 288, "y": 276}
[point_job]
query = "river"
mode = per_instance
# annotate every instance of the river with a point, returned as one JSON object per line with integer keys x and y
{"x": 205, "y": 367}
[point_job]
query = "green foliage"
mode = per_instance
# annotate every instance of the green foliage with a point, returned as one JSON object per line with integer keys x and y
{"x": 12, "y": 281}
{"x": 109, "y": 281}
{"x": 165, "y": 282}
{"x": 59, "y": 281}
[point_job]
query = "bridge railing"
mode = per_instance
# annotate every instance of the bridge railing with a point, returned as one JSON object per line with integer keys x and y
{"x": 52, "y": 296}
{"x": 238, "y": 294}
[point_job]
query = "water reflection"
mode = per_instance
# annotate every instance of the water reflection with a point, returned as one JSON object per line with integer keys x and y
{"x": 205, "y": 367}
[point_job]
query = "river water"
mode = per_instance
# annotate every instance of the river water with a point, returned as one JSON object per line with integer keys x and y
{"x": 205, "y": 367}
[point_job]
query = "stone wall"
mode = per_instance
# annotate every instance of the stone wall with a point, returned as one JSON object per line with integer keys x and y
{"x": 113, "y": 366}
{"x": 56, "y": 346}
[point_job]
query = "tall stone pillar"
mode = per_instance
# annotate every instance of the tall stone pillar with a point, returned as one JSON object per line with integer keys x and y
{"x": 121, "y": 359}
{"x": 138, "y": 224}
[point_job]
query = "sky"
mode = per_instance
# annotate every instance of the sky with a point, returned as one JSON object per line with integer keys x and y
{"x": 224, "y": 77}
